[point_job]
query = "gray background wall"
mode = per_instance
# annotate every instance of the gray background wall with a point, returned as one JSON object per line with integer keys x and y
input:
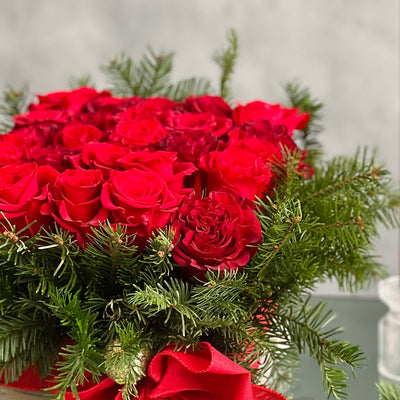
{"x": 346, "y": 52}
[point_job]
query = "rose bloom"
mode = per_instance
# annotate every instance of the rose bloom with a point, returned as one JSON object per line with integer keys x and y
{"x": 10, "y": 149}
{"x": 190, "y": 146}
{"x": 212, "y": 104}
{"x": 276, "y": 135}
{"x": 76, "y": 134}
{"x": 140, "y": 199}
{"x": 274, "y": 113}
{"x": 206, "y": 123}
{"x": 23, "y": 192}
{"x": 39, "y": 128}
{"x": 56, "y": 156}
{"x": 218, "y": 232}
{"x": 75, "y": 203}
{"x": 138, "y": 133}
{"x": 164, "y": 163}
{"x": 158, "y": 108}
{"x": 71, "y": 102}
{"x": 105, "y": 112}
{"x": 102, "y": 156}
{"x": 244, "y": 166}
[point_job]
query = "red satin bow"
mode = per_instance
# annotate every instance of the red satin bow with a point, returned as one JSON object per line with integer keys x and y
{"x": 201, "y": 374}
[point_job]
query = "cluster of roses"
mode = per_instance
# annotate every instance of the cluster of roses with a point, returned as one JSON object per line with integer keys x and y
{"x": 81, "y": 157}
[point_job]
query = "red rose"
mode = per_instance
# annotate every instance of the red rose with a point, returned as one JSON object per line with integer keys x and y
{"x": 274, "y": 113}
{"x": 155, "y": 108}
{"x": 10, "y": 149}
{"x": 75, "y": 201}
{"x": 276, "y": 135}
{"x": 205, "y": 123}
{"x": 190, "y": 146}
{"x": 212, "y": 104}
{"x": 164, "y": 163}
{"x": 219, "y": 232}
{"x": 102, "y": 156}
{"x": 39, "y": 128}
{"x": 23, "y": 191}
{"x": 104, "y": 112}
{"x": 56, "y": 156}
{"x": 138, "y": 133}
{"x": 72, "y": 102}
{"x": 41, "y": 116}
{"x": 245, "y": 166}
{"x": 140, "y": 199}
{"x": 76, "y": 134}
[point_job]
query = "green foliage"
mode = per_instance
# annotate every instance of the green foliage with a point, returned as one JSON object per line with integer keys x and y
{"x": 301, "y": 98}
{"x": 151, "y": 76}
{"x": 80, "y": 81}
{"x": 309, "y": 330}
{"x": 388, "y": 391}
{"x": 226, "y": 60}
{"x": 13, "y": 102}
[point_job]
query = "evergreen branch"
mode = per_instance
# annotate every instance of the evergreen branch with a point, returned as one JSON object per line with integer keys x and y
{"x": 155, "y": 70}
{"x": 109, "y": 259}
{"x": 122, "y": 75}
{"x": 301, "y": 98}
{"x": 13, "y": 102}
{"x": 82, "y": 355}
{"x": 306, "y": 330}
{"x": 56, "y": 258}
{"x": 388, "y": 391}
{"x": 149, "y": 77}
{"x": 187, "y": 87}
{"x": 171, "y": 299}
{"x": 278, "y": 222}
{"x": 78, "y": 358}
{"x": 277, "y": 247}
{"x": 25, "y": 340}
{"x": 81, "y": 81}
{"x": 221, "y": 299}
{"x": 340, "y": 185}
{"x": 226, "y": 59}
{"x": 155, "y": 261}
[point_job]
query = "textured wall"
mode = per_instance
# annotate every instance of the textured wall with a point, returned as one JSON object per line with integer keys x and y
{"x": 347, "y": 52}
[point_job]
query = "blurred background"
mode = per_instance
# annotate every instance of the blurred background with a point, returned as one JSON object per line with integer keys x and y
{"x": 346, "y": 52}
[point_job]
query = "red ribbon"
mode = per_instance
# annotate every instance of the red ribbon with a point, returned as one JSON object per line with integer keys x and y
{"x": 200, "y": 374}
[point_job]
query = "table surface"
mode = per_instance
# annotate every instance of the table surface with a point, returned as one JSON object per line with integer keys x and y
{"x": 359, "y": 319}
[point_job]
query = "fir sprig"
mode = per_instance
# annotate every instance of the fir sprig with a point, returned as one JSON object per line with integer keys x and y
{"x": 13, "y": 102}
{"x": 300, "y": 97}
{"x": 307, "y": 329}
{"x": 151, "y": 76}
{"x": 82, "y": 354}
{"x": 226, "y": 60}
{"x": 388, "y": 391}
{"x": 81, "y": 81}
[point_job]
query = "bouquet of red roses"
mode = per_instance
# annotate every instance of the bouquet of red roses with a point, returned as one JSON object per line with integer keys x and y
{"x": 160, "y": 243}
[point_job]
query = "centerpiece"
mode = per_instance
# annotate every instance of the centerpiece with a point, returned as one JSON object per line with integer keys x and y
{"x": 158, "y": 242}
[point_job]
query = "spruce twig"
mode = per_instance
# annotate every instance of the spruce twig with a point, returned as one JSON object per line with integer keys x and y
{"x": 13, "y": 102}
{"x": 226, "y": 59}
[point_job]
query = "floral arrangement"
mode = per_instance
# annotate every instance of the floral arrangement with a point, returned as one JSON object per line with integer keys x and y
{"x": 159, "y": 242}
